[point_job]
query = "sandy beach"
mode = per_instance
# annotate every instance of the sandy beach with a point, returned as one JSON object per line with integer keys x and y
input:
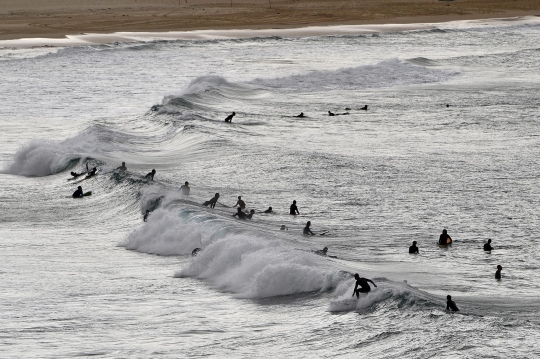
{"x": 58, "y": 18}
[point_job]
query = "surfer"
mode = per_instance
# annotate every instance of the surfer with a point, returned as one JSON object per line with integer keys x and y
{"x": 78, "y": 193}
{"x": 75, "y": 174}
{"x": 212, "y": 202}
{"x": 195, "y": 252}
{"x": 123, "y": 167}
{"x": 240, "y": 214}
{"x": 269, "y": 210}
{"x": 363, "y": 284}
{"x": 487, "y": 246}
{"x": 294, "y": 209}
{"x": 450, "y": 304}
{"x": 145, "y": 218}
{"x": 240, "y": 203}
{"x": 250, "y": 214}
{"x": 413, "y": 249}
{"x": 230, "y": 117}
{"x": 364, "y": 108}
{"x": 92, "y": 173}
{"x": 331, "y": 113}
{"x": 283, "y": 228}
{"x": 308, "y": 231}
{"x": 150, "y": 175}
{"x": 185, "y": 189}
{"x": 300, "y": 115}
{"x": 498, "y": 272}
{"x": 323, "y": 252}
{"x": 444, "y": 238}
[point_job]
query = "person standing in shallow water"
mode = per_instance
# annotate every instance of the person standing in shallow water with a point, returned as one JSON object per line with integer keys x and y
{"x": 294, "y": 209}
{"x": 444, "y": 238}
{"x": 450, "y": 304}
{"x": 487, "y": 246}
{"x": 498, "y": 272}
{"x": 185, "y": 189}
{"x": 307, "y": 230}
{"x": 413, "y": 249}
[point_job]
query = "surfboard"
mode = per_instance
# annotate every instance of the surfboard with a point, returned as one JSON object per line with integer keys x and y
{"x": 89, "y": 193}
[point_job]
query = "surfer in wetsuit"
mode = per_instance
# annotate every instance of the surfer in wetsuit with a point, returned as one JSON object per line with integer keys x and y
{"x": 498, "y": 272}
{"x": 92, "y": 173}
{"x": 75, "y": 174}
{"x": 331, "y": 113}
{"x": 269, "y": 210}
{"x": 185, "y": 189}
{"x": 212, "y": 202}
{"x": 150, "y": 175}
{"x": 444, "y": 238}
{"x": 123, "y": 167}
{"x": 145, "y": 218}
{"x": 294, "y": 209}
{"x": 364, "y": 108}
{"x": 308, "y": 231}
{"x": 300, "y": 115}
{"x": 240, "y": 203}
{"x": 487, "y": 246}
{"x": 78, "y": 193}
{"x": 413, "y": 249}
{"x": 363, "y": 284}
{"x": 450, "y": 304}
{"x": 230, "y": 117}
{"x": 240, "y": 214}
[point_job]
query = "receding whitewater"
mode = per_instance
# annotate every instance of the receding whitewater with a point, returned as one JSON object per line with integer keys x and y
{"x": 89, "y": 278}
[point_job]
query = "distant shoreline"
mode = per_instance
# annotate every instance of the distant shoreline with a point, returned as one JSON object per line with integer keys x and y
{"x": 61, "y": 19}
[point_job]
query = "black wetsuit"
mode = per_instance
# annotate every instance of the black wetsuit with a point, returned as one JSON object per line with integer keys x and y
{"x": 443, "y": 239}
{"x": 308, "y": 231}
{"x": 498, "y": 274}
{"x": 241, "y": 215}
{"x": 364, "y": 286}
{"x": 268, "y": 211}
{"x": 229, "y": 118}
{"x": 450, "y": 304}
{"x": 150, "y": 175}
{"x": 78, "y": 193}
{"x": 413, "y": 249}
{"x": 294, "y": 209}
{"x": 184, "y": 189}
{"x": 487, "y": 247}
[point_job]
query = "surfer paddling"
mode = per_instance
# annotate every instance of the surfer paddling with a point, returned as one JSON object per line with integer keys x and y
{"x": 363, "y": 284}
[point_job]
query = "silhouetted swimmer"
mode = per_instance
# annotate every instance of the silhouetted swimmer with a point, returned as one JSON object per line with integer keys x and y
{"x": 447, "y": 105}
{"x": 269, "y": 210}
{"x": 364, "y": 108}
{"x": 212, "y": 202}
{"x": 450, "y": 304}
{"x": 195, "y": 252}
{"x": 347, "y": 108}
{"x": 300, "y": 115}
{"x": 498, "y": 272}
{"x": 185, "y": 188}
{"x": 324, "y": 252}
{"x": 250, "y": 214}
{"x": 331, "y": 113}
{"x": 92, "y": 173}
{"x": 413, "y": 249}
{"x": 123, "y": 167}
{"x": 150, "y": 175}
{"x": 307, "y": 230}
{"x": 283, "y": 228}
{"x": 294, "y": 209}
{"x": 444, "y": 238}
{"x": 240, "y": 214}
{"x": 240, "y": 203}
{"x": 230, "y": 117}
{"x": 363, "y": 284}
{"x": 145, "y": 218}
{"x": 487, "y": 246}
{"x": 75, "y": 174}
{"x": 78, "y": 193}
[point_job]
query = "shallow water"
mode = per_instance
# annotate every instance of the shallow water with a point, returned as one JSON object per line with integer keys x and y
{"x": 89, "y": 278}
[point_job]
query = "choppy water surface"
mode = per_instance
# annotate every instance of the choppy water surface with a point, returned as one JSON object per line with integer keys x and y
{"x": 89, "y": 278}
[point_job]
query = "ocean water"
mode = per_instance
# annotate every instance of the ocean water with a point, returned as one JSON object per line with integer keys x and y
{"x": 87, "y": 277}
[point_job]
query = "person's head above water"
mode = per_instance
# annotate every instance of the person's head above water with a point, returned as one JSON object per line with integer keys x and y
{"x": 79, "y": 187}
{"x": 356, "y": 276}
{"x": 448, "y": 297}
{"x": 499, "y": 267}
{"x": 187, "y": 183}
{"x": 123, "y": 164}
{"x": 239, "y": 197}
{"x": 444, "y": 231}
{"x": 294, "y": 202}
{"x": 489, "y": 240}
{"x": 308, "y": 223}
{"x": 414, "y": 243}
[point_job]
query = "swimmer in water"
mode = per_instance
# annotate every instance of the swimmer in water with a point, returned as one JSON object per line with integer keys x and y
{"x": 300, "y": 115}
{"x": 413, "y": 249}
{"x": 212, "y": 202}
{"x": 250, "y": 214}
{"x": 363, "y": 284}
{"x": 78, "y": 193}
{"x": 240, "y": 203}
{"x": 364, "y": 108}
{"x": 331, "y": 113}
{"x": 444, "y": 238}
{"x": 308, "y": 231}
{"x": 150, "y": 175}
{"x": 123, "y": 167}
{"x": 498, "y": 272}
{"x": 450, "y": 304}
{"x": 269, "y": 210}
{"x": 294, "y": 209}
{"x": 487, "y": 246}
{"x": 283, "y": 228}
{"x": 240, "y": 214}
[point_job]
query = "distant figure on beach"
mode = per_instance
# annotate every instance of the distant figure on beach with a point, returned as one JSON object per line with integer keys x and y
{"x": 145, "y": 218}
{"x": 92, "y": 173}
{"x": 364, "y": 108}
{"x": 250, "y": 214}
{"x": 413, "y": 249}
{"x": 240, "y": 214}
{"x": 185, "y": 188}
{"x": 294, "y": 209}
{"x": 240, "y": 203}
{"x": 123, "y": 167}
{"x": 444, "y": 238}
{"x": 78, "y": 193}
{"x": 498, "y": 272}
{"x": 269, "y": 210}
{"x": 487, "y": 246}
{"x": 212, "y": 202}
{"x": 150, "y": 175}
{"x": 195, "y": 252}
{"x": 363, "y": 284}
{"x": 300, "y": 115}
{"x": 450, "y": 304}
{"x": 230, "y": 117}
{"x": 330, "y": 113}
{"x": 307, "y": 230}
